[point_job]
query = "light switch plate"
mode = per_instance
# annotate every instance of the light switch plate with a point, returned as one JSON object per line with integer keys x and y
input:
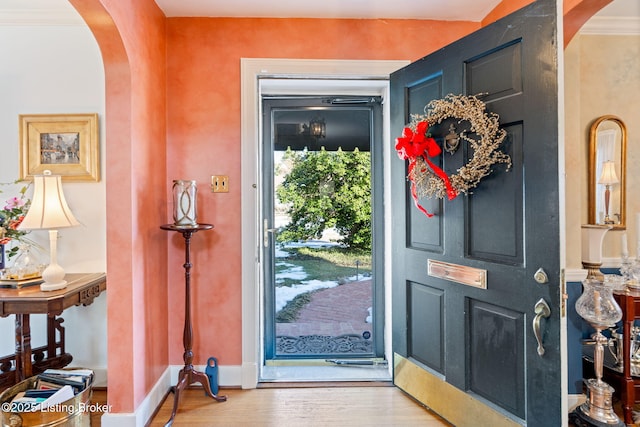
{"x": 219, "y": 183}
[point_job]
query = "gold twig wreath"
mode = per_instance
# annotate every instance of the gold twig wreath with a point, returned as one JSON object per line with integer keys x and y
{"x": 428, "y": 180}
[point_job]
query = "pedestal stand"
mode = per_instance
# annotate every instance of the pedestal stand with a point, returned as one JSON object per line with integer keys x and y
{"x": 187, "y": 374}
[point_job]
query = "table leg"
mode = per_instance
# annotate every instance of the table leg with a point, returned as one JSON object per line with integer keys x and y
{"x": 182, "y": 383}
{"x": 23, "y": 347}
{"x": 51, "y": 337}
{"x": 627, "y": 384}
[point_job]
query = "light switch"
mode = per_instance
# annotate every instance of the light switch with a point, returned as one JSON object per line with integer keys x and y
{"x": 219, "y": 183}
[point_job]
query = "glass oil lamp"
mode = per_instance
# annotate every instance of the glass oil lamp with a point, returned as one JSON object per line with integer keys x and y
{"x": 597, "y": 306}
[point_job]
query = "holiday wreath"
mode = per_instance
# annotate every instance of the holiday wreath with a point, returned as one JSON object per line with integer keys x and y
{"x": 417, "y": 146}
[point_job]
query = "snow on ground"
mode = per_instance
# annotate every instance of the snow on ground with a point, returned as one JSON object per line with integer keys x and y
{"x": 311, "y": 244}
{"x": 293, "y": 272}
{"x": 280, "y": 253}
{"x": 284, "y": 294}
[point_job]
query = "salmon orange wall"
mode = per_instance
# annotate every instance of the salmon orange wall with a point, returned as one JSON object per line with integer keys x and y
{"x": 203, "y": 139}
{"x": 193, "y": 94}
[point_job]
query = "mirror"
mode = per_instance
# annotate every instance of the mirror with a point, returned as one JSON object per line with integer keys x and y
{"x": 607, "y": 172}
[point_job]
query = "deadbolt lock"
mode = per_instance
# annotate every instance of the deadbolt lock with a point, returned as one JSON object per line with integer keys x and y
{"x": 541, "y": 277}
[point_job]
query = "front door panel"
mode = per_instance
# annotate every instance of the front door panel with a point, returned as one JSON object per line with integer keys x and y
{"x": 479, "y": 342}
{"x": 496, "y": 355}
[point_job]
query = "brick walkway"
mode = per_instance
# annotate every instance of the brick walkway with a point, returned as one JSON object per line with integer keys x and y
{"x": 333, "y": 311}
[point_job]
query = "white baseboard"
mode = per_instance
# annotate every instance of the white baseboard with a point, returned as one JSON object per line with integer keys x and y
{"x": 575, "y": 275}
{"x": 145, "y": 410}
{"x": 574, "y": 400}
{"x": 229, "y": 376}
{"x": 612, "y": 262}
{"x": 100, "y": 377}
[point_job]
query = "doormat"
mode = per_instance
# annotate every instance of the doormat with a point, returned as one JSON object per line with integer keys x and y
{"x": 323, "y": 344}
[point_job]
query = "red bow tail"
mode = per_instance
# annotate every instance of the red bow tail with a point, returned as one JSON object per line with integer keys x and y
{"x": 414, "y": 193}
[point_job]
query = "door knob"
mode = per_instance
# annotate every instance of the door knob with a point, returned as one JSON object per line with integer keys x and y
{"x": 541, "y": 309}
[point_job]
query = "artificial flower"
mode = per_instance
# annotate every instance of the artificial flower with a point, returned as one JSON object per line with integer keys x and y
{"x": 14, "y": 203}
{"x": 11, "y": 216}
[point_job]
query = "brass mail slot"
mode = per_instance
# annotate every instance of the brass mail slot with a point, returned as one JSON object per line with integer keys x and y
{"x": 458, "y": 273}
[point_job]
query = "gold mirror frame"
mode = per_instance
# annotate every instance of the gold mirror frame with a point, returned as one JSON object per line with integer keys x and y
{"x": 618, "y": 192}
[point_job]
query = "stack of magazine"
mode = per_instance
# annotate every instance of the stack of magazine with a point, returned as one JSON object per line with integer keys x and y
{"x": 51, "y": 388}
{"x": 6, "y": 282}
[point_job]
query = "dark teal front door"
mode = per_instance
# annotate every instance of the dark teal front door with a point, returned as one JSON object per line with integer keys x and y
{"x": 482, "y": 342}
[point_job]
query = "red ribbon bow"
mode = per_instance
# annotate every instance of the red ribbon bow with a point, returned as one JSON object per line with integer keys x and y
{"x": 412, "y": 145}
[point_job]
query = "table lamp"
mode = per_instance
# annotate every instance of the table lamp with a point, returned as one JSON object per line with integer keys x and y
{"x": 608, "y": 178}
{"x": 598, "y": 307}
{"x": 49, "y": 211}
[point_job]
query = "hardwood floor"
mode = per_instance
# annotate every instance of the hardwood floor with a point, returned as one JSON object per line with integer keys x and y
{"x": 98, "y": 397}
{"x": 307, "y": 407}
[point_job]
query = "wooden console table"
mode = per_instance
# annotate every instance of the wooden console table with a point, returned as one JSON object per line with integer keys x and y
{"x": 626, "y": 384}
{"x": 187, "y": 374}
{"x": 82, "y": 289}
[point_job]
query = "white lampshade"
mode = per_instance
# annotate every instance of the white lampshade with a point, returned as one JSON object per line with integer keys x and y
{"x": 608, "y": 176}
{"x": 49, "y": 210}
{"x": 592, "y": 237}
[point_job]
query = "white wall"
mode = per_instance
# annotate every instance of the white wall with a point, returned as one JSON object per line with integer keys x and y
{"x": 56, "y": 67}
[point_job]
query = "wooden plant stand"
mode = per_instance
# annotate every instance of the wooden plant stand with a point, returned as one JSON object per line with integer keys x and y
{"x": 188, "y": 375}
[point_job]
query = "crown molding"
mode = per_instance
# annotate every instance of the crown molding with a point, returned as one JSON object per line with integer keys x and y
{"x": 618, "y": 26}
{"x": 596, "y": 25}
{"x": 45, "y": 17}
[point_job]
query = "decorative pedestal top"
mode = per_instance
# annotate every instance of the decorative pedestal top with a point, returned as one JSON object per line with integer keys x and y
{"x": 199, "y": 227}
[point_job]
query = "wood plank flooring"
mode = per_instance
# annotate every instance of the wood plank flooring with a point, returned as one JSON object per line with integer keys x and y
{"x": 306, "y": 407}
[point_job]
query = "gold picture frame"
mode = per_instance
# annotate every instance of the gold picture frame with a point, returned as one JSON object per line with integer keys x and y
{"x": 65, "y": 144}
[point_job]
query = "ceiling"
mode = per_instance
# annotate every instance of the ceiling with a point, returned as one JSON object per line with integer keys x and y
{"x": 471, "y": 10}
{"x": 449, "y": 10}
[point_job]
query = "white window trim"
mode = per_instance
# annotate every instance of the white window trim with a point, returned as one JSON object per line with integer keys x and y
{"x": 294, "y": 75}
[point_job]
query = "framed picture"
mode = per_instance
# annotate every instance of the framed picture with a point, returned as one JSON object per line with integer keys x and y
{"x": 65, "y": 144}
